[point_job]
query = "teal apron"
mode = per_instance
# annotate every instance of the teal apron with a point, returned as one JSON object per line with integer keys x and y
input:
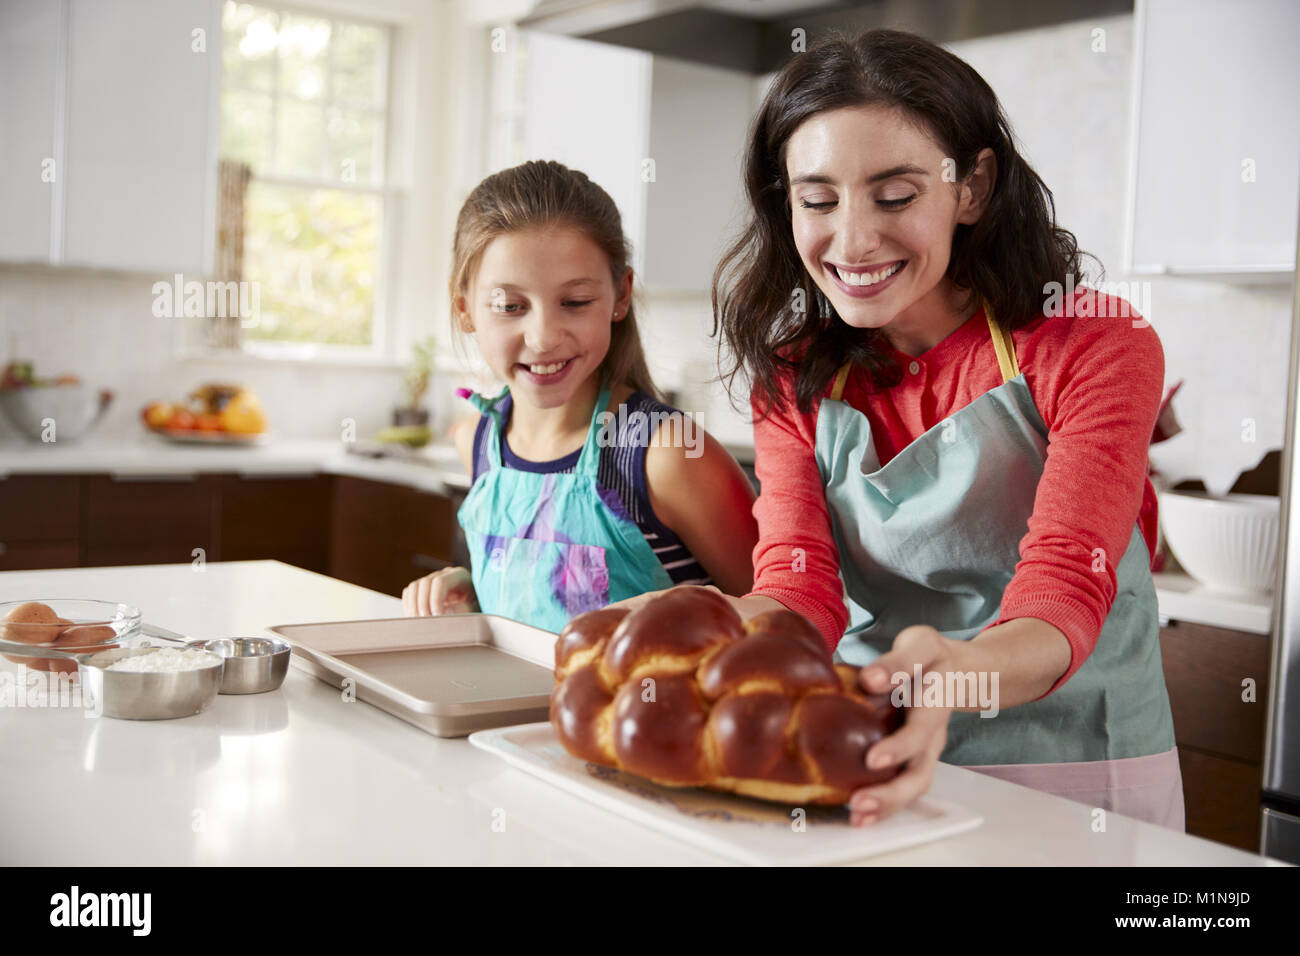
{"x": 546, "y": 547}
{"x": 932, "y": 537}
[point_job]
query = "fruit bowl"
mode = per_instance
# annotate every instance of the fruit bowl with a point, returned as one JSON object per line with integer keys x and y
{"x": 1229, "y": 543}
{"x": 73, "y": 409}
{"x": 213, "y": 414}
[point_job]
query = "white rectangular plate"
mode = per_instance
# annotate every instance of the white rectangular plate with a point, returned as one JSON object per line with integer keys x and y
{"x": 748, "y": 831}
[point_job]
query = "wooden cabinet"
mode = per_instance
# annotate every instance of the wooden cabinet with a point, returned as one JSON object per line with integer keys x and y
{"x": 1218, "y": 726}
{"x": 40, "y": 521}
{"x": 378, "y": 535}
{"x": 286, "y": 518}
{"x": 385, "y": 536}
{"x": 150, "y": 519}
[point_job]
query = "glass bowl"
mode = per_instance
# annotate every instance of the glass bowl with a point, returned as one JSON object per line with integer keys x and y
{"x": 82, "y": 627}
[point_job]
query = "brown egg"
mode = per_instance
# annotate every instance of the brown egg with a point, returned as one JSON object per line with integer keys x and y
{"x": 31, "y": 623}
{"x": 85, "y": 638}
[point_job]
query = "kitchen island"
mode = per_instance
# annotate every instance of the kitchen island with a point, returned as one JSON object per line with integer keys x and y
{"x": 300, "y": 776}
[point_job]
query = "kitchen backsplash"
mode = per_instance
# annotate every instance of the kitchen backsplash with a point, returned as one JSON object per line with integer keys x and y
{"x": 1070, "y": 108}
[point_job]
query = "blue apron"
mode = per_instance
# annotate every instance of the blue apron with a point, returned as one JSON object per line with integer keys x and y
{"x": 547, "y": 547}
{"x": 932, "y": 537}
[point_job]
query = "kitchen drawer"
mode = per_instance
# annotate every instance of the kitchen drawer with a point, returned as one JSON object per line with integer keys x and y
{"x": 1204, "y": 669}
{"x": 151, "y": 519}
{"x": 1221, "y": 797}
{"x": 385, "y": 536}
{"x": 286, "y": 518}
{"x": 40, "y": 508}
{"x": 37, "y": 555}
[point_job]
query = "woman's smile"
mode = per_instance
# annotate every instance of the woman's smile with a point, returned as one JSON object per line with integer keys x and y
{"x": 866, "y": 281}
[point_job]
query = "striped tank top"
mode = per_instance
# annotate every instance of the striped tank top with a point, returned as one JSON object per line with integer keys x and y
{"x": 621, "y": 472}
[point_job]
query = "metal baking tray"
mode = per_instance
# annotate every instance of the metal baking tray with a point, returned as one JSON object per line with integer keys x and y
{"x": 449, "y": 675}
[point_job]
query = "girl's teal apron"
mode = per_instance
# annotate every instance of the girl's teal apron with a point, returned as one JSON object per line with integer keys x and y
{"x": 546, "y": 547}
{"x": 933, "y": 537}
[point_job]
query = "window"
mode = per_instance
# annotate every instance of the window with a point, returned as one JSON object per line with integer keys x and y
{"x": 304, "y": 103}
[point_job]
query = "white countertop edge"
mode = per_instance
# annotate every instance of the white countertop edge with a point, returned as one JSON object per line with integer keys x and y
{"x": 1184, "y": 599}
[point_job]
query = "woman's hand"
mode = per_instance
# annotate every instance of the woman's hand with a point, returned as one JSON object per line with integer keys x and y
{"x": 921, "y": 739}
{"x": 633, "y": 603}
{"x": 449, "y": 591}
{"x": 746, "y": 607}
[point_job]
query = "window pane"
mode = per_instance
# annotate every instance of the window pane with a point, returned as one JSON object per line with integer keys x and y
{"x": 246, "y": 127}
{"x": 353, "y": 139}
{"x": 314, "y": 256}
{"x": 304, "y": 43}
{"x": 249, "y": 38}
{"x": 298, "y": 139}
{"x": 356, "y": 53}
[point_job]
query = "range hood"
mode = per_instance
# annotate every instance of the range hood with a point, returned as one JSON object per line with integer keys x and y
{"x": 754, "y": 36}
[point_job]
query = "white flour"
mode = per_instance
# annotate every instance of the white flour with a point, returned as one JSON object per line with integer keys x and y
{"x": 165, "y": 660}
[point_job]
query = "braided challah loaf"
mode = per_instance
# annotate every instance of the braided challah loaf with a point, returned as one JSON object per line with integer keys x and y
{"x": 683, "y": 692}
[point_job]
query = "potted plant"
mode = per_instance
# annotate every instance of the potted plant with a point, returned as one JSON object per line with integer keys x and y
{"x": 417, "y": 383}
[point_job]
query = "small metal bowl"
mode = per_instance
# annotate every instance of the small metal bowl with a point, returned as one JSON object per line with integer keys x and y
{"x": 254, "y": 665}
{"x": 143, "y": 695}
{"x": 138, "y": 695}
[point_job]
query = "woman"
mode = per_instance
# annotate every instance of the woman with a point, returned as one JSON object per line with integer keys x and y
{"x": 952, "y": 458}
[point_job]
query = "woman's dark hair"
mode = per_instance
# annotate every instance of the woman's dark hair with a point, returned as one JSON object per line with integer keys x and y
{"x": 1006, "y": 258}
{"x": 540, "y": 194}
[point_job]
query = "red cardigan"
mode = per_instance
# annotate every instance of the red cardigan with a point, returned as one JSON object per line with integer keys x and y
{"x": 1097, "y": 382}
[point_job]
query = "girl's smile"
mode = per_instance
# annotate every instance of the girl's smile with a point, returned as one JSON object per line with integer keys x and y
{"x": 541, "y": 303}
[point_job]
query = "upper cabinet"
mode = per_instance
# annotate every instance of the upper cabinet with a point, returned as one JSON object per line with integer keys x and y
{"x": 109, "y": 154}
{"x": 31, "y": 53}
{"x": 663, "y": 137}
{"x": 1215, "y": 178}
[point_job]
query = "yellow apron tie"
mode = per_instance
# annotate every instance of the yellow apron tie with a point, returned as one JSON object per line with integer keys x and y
{"x": 1002, "y": 345}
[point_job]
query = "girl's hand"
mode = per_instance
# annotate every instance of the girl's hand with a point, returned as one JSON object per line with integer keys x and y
{"x": 921, "y": 739}
{"x": 449, "y": 591}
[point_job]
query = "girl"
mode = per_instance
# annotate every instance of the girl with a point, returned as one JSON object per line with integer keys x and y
{"x": 952, "y": 455}
{"x": 586, "y": 488}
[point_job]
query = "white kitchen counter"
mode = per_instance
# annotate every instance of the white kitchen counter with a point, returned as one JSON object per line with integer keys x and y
{"x": 298, "y": 776}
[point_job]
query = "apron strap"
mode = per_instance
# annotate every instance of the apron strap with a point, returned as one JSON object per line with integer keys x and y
{"x": 841, "y": 377}
{"x": 491, "y": 407}
{"x": 589, "y": 460}
{"x": 1003, "y": 345}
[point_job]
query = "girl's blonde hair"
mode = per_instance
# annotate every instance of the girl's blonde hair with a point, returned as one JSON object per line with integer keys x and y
{"x": 540, "y": 194}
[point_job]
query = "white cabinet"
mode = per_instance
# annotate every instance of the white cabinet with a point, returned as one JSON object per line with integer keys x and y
{"x": 121, "y": 95}
{"x": 30, "y": 33}
{"x": 1215, "y": 177}
{"x": 663, "y": 137}
{"x": 699, "y": 117}
{"x": 141, "y": 170}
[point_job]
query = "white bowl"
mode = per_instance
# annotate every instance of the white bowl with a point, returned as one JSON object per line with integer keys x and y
{"x": 1228, "y": 543}
{"x": 73, "y": 409}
